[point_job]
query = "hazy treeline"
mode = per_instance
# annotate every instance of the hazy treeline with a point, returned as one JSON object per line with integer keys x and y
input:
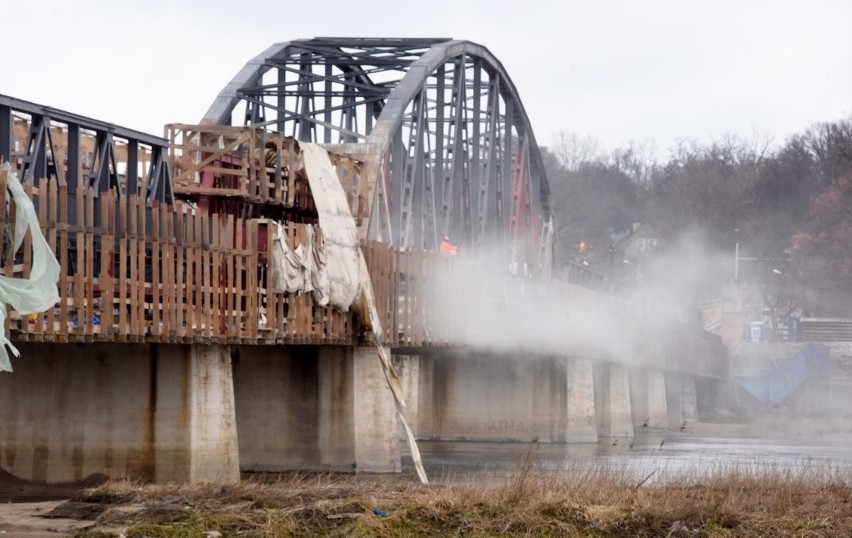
{"x": 788, "y": 203}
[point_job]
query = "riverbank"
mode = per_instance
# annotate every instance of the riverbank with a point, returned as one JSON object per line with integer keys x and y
{"x": 581, "y": 500}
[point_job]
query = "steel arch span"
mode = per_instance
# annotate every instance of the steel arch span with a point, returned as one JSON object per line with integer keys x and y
{"x": 447, "y": 145}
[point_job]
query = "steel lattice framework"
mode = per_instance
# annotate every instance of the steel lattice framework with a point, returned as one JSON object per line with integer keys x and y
{"x": 83, "y": 151}
{"x": 446, "y": 141}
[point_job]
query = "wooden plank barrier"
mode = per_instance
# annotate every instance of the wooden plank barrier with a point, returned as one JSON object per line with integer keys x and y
{"x": 134, "y": 272}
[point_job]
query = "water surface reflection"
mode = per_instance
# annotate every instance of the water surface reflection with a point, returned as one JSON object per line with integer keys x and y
{"x": 667, "y": 457}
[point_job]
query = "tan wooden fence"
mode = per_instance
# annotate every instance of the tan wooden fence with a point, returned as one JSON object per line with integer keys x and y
{"x": 132, "y": 273}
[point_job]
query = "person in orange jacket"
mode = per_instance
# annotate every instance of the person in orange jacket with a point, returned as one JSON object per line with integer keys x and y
{"x": 447, "y": 247}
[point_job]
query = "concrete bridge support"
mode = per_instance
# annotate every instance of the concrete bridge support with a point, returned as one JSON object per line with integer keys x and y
{"x": 71, "y": 412}
{"x": 314, "y": 407}
{"x": 648, "y": 398}
{"x": 681, "y": 399}
{"x": 491, "y": 397}
{"x": 195, "y": 434}
{"x": 612, "y": 400}
{"x": 582, "y": 426}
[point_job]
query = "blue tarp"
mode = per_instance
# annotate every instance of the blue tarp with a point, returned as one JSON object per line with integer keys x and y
{"x": 813, "y": 360}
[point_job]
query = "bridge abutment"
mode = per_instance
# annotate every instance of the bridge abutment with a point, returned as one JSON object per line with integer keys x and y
{"x": 316, "y": 408}
{"x": 123, "y": 411}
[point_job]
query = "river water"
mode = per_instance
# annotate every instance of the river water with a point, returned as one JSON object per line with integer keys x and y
{"x": 661, "y": 456}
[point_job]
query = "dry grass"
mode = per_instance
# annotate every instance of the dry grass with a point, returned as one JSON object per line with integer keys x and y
{"x": 581, "y": 501}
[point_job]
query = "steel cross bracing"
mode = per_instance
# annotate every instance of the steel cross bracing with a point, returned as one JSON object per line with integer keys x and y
{"x": 446, "y": 142}
{"x": 81, "y": 151}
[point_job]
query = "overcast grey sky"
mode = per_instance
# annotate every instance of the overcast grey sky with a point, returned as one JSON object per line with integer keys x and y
{"x": 618, "y": 71}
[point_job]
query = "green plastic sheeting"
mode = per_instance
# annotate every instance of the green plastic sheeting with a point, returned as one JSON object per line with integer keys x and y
{"x": 38, "y": 292}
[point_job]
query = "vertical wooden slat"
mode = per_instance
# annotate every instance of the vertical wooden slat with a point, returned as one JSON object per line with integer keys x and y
{"x": 142, "y": 260}
{"x": 51, "y": 235}
{"x": 169, "y": 284}
{"x": 63, "y": 257}
{"x": 89, "y": 271}
{"x": 255, "y": 170}
{"x": 198, "y": 306}
{"x": 133, "y": 248}
{"x": 230, "y": 299}
{"x": 79, "y": 309}
{"x": 291, "y": 173}
{"x": 105, "y": 279}
{"x": 252, "y": 297}
{"x": 189, "y": 275}
{"x": 156, "y": 290}
{"x": 122, "y": 268}
{"x": 239, "y": 275}
{"x": 170, "y": 270}
{"x": 180, "y": 313}
{"x": 207, "y": 263}
{"x": 216, "y": 249}
{"x": 278, "y": 320}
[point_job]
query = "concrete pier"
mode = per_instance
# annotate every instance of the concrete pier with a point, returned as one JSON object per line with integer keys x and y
{"x": 581, "y": 426}
{"x": 681, "y": 399}
{"x": 690, "y": 400}
{"x": 191, "y": 413}
{"x": 316, "y": 408}
{"x": 612, "y": 401}
{"x": 648, "y": 398}
{"x": 71, "y": 412}
{"x": 375, "y": 421}
{"x": 195, "y": 429}
{"x": 657, "y": 406}
{"x": 489, "y": 397}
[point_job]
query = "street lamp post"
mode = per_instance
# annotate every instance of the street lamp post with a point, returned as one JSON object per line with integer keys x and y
{"x": 736, "y": 263}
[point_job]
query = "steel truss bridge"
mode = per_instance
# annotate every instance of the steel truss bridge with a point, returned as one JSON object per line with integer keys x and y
{"x": 200, "y": 365}
{"x": 438, "y": 124}
{"x": 446, "y": 141}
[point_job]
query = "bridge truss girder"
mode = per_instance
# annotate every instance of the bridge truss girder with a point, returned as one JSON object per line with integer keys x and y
{"x": 83, "y": 152}
{"x": 447, "y": 143}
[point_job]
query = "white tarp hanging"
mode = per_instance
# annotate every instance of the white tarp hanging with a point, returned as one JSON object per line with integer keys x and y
{"x": 339, "y": 233}
{"x": 348, "y": 276}
{"x": 299, "y": 269}
{"x": 38, "y": 292}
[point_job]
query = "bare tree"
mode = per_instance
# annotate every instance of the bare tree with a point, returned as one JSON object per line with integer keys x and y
{"x": 638, "y": 161}
{"x": 573, "y": 150}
